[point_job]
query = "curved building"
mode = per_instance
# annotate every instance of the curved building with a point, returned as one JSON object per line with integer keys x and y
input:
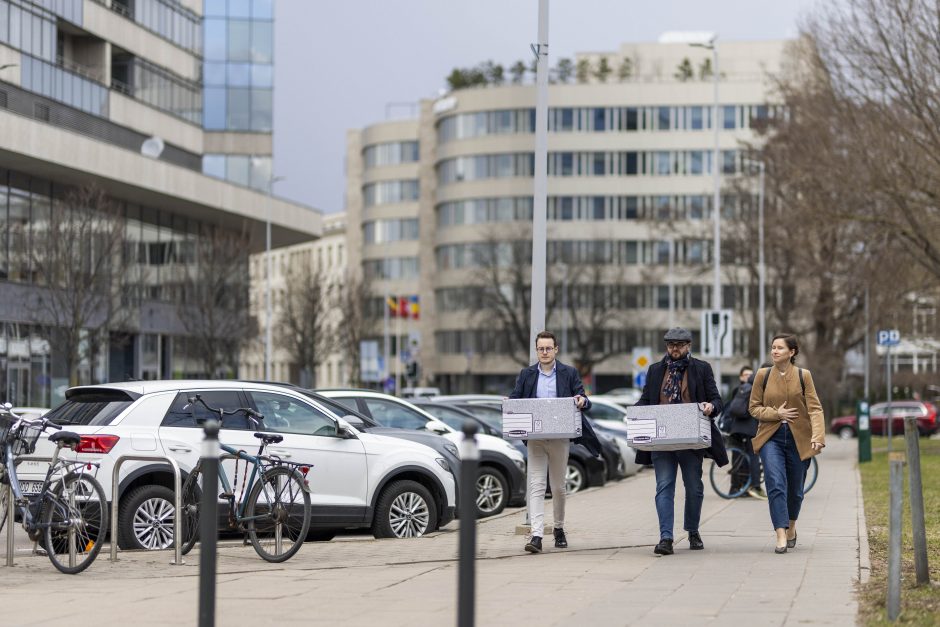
{"x": 440, "y": 208}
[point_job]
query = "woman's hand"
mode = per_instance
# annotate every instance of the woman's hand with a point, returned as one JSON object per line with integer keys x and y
{"x": 787, "y": 414}
{"x": 817, "y": 446}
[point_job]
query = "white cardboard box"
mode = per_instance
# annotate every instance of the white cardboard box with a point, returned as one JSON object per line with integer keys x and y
{"x": 675, "y": 427}
{"x": 541, "y": 418}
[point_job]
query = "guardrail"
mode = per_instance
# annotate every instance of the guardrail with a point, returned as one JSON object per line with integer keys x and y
{"x": 177, "y": 493}
{"x": 11, "y": 509}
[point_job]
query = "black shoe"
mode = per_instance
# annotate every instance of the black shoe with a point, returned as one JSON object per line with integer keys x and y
{"x": 695, "y": 541}
{"x": 664, "y": 547}
{"x": 534, "y": 545}
{"x": 791, "y": 543}
{"x": 561, "y": 542}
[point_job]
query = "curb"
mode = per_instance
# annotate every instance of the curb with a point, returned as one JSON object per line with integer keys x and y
{"x": 864, "y": 553}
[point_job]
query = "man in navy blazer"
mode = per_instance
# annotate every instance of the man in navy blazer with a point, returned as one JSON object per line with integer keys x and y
{"x": 550, "y": 378}
{"x": 680, "y": 378}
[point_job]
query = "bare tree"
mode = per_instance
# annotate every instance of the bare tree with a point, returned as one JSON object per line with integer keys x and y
{"x": 214, "y": 310}
{"x": 305, "y": 330}
{"x": 76, "y": 254}
{"x": 350, "y": 300}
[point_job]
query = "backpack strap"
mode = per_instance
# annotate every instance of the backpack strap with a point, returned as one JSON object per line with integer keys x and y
{"x": 798, "y": 370}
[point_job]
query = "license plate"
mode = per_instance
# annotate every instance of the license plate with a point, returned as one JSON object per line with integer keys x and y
{"x": 30, "y": 487}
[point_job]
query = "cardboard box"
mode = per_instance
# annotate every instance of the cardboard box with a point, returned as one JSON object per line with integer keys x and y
{"x": 541, "y": 419}
{"x": 668, "y": 427}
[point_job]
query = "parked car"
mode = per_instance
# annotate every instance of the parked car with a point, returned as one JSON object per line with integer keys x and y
{"x": 357, "y": 479}
{"x": 419, "y": 392}
{"x": 584, "y": 470}
{"x": 608, "y": 417}
{"x": 926, "y": 414}
{"x": 500, "y": 462}
{"x": 624, "y": 400}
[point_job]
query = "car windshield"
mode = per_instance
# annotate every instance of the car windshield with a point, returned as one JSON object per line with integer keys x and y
{"x": 342, "y": 410}
{"x": 92, "y": 407}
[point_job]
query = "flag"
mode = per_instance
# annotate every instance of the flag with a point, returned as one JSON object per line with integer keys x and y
{"x": 391, "y": 303}
{"x": 414, "y": 307}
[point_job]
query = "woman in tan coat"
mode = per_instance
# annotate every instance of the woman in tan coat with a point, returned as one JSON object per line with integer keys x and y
{"x": 791, "y": 430}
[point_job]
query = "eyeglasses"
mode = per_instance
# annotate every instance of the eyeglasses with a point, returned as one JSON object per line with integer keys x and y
{"x": 545, "y": 349}
{"x": 674, "y": 345}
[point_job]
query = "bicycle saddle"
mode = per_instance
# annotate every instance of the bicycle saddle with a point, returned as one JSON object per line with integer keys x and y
{"x": 67, "y": 438}
{"x": 269, "y": 438}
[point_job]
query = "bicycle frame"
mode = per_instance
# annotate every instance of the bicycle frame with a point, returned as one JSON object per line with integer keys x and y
{"x": 238, "y": 508}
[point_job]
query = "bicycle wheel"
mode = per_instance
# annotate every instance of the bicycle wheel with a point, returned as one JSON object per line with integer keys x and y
{"x": 812, "y": 473}
{"x": 74, "y": 521}
{"x": 278, "y": 514}
{"x": 190, "y": 501}
{"x": 4, "y": 504}
{"x": 732, "y": 480}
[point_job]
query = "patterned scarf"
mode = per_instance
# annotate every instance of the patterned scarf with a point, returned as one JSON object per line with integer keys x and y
{"x": 673, "y": 388}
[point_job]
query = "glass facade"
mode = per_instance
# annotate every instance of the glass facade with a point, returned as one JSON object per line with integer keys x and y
{"x": 28, "y": 28}
{"x": 391, "y": 268}
{"x": 252, "y": 171}
{"x": 166, "y": 18}
{"x": 238, "y": 68}
{"x": 390, "y": 192}
{"x": 52, "y": 81}
{"x": 391, "y": 153}
{"x": 381, "y": 231}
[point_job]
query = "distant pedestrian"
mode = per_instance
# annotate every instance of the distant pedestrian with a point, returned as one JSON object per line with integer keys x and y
{"x": 791, "y": 431}
{"x": 742, "y": 427}
{"x": 680, "y": 378}
{"x": 550, "y": 378}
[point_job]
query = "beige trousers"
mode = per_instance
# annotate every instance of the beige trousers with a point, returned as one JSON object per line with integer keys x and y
{"x": 546, "y": 457}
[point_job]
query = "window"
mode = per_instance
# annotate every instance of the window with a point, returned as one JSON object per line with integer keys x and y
{"x": 662, "y": 118}
{"x": 283, "y": 414}
{"x": 91, "y": 408}
{"x": 728, "y": 117}
{"x": 182, "y": 413}
{"x": 391, "y": 414}
{"x": 696, "y": 119}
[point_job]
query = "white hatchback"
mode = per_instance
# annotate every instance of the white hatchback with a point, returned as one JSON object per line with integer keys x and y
{"x": 357, "y": 479}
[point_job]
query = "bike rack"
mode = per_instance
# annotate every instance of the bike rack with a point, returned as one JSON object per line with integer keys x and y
{"x": 11, "y": 509}
{"x": 177, "y": 494}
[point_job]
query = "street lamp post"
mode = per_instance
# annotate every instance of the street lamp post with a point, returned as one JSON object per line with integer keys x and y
{"x": 268, "y": 271}
{"x": 709, "y": 41}
{"x": 761, "y": 265}
{"x": 540, "y": 183}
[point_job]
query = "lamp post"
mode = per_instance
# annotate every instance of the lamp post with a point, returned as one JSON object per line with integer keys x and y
{"x": 540, "y": 183}
{"x": 709, "y": 41}
{"x": 268, "y": 271}
{"x": 761, "y": 265}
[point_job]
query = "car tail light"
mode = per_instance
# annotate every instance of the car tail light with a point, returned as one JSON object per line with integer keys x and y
{"x": 101, "y": 444}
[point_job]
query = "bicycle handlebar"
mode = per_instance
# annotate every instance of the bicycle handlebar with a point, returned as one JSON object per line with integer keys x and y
{"x": 250, "y": 413}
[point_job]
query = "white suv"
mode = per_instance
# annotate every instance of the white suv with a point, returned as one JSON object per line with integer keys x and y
{"x": 357, "y": 479}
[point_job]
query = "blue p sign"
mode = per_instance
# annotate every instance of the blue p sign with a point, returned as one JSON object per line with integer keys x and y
{"x": 889, "y": 337}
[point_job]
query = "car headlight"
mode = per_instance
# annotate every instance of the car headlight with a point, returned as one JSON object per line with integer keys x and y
{"x": 451, "y": 448}
{"x": 443, "y": 463}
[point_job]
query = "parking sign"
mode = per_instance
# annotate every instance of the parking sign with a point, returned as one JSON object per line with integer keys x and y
{"x": 889, "y": 337}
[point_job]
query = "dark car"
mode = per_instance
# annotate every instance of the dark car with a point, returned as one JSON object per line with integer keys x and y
{"x": 584, "y": 470}
{"x": 926, "y": 414}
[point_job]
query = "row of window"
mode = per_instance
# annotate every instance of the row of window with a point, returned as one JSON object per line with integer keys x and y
{"x": 619, "y": 341}
{"x": 53, "y": 82}
{"x": 591, "y": 208}
{"x": 390, "y": 192}
{"x": 391, "y": 153}
{"x": 161, "y": 88}
{"x": 569, "y": 163}
{"x": 168, "y": 19}
{"x": 70, "y": 10}
{"x": 247, "y": 41}
{"x": 381, "y": 231}
{"x": 601, "y": 119}
{"x": 391, "y": 268}
{"x": 28, "y": 29}
{"x": 216, "y": 74}
{"x": 606, "y": 252}
{"x": 257, "y": 9}
{"x": 254, "y": 172}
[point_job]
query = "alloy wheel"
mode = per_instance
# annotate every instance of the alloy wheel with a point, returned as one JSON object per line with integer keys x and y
{"x": 409, "y": 515}
{"x": 574, "y": 479}
{"x": 490, "y": 494}
{"x": 153, "y": 524}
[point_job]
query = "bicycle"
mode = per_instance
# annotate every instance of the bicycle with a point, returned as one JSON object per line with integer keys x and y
{"x": 733, "y": 480}
{"x": 273, "y": 509}
{"x": 68, "y": 515}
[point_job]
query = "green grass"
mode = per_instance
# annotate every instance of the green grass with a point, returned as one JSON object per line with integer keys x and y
{"x": 919, "y": 605}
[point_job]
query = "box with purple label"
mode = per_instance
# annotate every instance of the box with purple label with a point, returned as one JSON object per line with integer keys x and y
{"x": 668, "y": 427}
{"x": 541, "y": 419}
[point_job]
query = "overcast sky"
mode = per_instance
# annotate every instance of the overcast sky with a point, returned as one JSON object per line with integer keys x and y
{"x": 345, "y": 64}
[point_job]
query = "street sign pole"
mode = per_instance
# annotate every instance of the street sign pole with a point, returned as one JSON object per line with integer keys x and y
{"x": 863, "y": 420}
{"x": 888, "y": 416}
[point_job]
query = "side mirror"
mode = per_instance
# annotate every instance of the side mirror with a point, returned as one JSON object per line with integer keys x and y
{"x": 344, "y": 431}
{"x": 437, "y": 427}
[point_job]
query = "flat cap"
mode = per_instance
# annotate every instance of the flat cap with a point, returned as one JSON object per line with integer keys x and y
{"x": 678, "y": 334}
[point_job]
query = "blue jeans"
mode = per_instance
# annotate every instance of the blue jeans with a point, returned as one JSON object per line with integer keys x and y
{"x": 784, "y": 474}
{"x": 665, "y": 464}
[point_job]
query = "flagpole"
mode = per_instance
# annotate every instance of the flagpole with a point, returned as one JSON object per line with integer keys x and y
{"x": 398, "y": 351}
{"x": 387, "y": 345}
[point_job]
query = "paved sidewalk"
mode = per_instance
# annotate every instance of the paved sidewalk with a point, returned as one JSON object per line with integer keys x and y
{"x": 609, "y": 576}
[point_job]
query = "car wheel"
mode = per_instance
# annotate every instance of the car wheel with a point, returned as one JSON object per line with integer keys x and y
{"x": 575, "y": 477}
{"x": 405, "y": 510}
{"x": 146, "y": 518}
{"x": 492, "y": 492}
{"x": 846, "y": 433}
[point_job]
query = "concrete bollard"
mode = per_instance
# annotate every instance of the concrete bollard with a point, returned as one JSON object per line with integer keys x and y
{"x": 466, "y": 575}
{"x": 208, "y": 523}
{"x": 916, "y": 490}
{"x": 896, "y": 487}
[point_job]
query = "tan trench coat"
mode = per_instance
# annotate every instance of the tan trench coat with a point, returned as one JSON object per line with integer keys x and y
{"x": 809, "y": 426}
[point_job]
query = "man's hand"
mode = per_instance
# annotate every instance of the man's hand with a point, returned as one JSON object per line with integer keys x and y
{"x": 707, "y": 408}
{"x": 580, "y": 401}
{"x": 787, "y": 414}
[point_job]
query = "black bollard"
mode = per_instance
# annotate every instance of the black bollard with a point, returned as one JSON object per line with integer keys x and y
{"x": 208, "y": 523}
{"x": 466, "y": 574}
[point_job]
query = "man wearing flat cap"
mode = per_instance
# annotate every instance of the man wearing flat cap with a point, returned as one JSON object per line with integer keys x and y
{"x": 680, "y": 378}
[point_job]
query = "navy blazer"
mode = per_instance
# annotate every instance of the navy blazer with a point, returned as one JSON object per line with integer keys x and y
{"x": 567, "y": 384}
{"x": 702, "y": 388}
